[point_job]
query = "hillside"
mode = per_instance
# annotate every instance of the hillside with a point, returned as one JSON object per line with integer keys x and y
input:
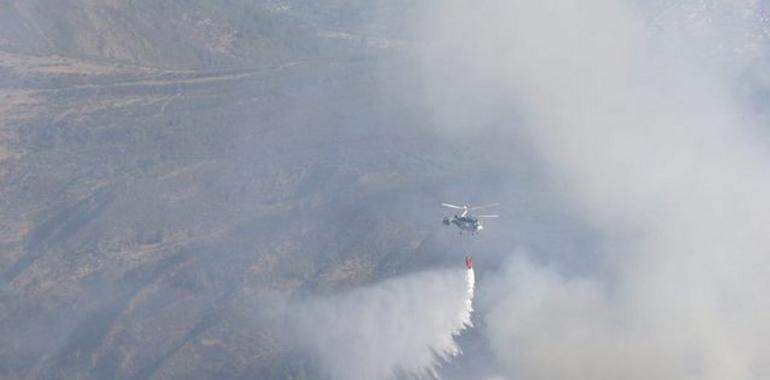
{"x": 172, "y": 176}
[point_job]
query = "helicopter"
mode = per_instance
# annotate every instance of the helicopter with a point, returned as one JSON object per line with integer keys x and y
{"x": 465, "y": 221}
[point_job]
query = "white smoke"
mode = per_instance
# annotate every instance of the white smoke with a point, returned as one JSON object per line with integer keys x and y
{"x": 633, "y": 106}
{"x": 404, "y": 325}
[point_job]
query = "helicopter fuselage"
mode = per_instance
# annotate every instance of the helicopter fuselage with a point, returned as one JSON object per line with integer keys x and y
{"x": 465, "y": 223}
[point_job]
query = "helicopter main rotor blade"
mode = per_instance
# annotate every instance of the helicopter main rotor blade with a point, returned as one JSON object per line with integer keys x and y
{"x": 485, "y": 206}
{"x": 453, "y": 206}
{"x": 487, "y": 216}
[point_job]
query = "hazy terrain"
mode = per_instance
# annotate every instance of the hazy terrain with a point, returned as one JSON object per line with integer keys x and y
{"x": 173, "y": 172}
{"x": 178, "y": 175}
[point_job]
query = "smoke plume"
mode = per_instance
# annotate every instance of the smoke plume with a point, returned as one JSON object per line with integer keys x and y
{"x": 635, "y": 107}
{"x": 405, "y": 325}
